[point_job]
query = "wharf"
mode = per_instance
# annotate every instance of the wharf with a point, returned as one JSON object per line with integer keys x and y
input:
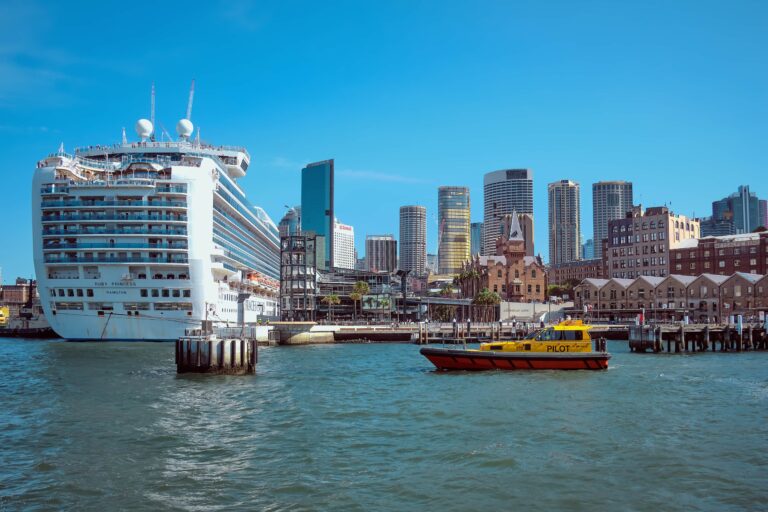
{"x": 695, "y": 337}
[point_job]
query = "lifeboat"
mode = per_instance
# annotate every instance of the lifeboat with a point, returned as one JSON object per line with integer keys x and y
{"x": 566, "y": 346}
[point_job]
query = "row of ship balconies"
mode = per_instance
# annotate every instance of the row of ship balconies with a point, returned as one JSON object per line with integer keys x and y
{"x": 54, "y": 245}
{"x": 117, "y": 258}
{"x": 64, "y": 188}
{"x": 117, "y": 216}
{"x": 76, "y": 203}
{"x": 93, "y": 230}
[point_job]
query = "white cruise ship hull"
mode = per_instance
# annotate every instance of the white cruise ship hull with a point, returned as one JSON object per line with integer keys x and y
{"x": 143, "y": 241}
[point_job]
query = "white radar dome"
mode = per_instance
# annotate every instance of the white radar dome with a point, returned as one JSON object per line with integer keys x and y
{"x": 144, "y": 128}
{"x": 184, "y": 128}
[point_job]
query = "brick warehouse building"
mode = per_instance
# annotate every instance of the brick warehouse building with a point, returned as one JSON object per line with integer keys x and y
{"x": 721, "y": 255}
{"x": 639, "y": 244}
{"x": 575, "y": 271}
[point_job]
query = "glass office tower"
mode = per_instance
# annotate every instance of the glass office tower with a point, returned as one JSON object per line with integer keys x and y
{"x": 317, "y": 214}
{"x": 453, "y": 226}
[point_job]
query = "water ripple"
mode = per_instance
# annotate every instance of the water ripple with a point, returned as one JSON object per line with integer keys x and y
{"x": 93, "y": 426}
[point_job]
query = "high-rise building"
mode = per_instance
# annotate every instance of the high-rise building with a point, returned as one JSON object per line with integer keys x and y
{"x": 762, "y": 206}
{"x": 432, "y": 263}
{"x": 610, "y": 200}
{"x": 742, "y": 209}
{"x": 588, "y": 249}
{"x": 453, "y": 228}
{"x": 381, "y": 253}
{"x": 317, "y": 211}
{"x": 476, "y": 238}
{"x": 564, "y": 222}
{"x": 343, "y": 246}
{"x": 290, "y": 224}
{"x": 413, "y": 239}
{"x": 504, "y": 192}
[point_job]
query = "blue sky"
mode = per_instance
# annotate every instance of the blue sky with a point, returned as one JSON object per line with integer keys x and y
{"x": 406, "y": 96}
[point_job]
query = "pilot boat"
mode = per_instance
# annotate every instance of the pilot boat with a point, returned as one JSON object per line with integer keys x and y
{"x": 565, "y": 346}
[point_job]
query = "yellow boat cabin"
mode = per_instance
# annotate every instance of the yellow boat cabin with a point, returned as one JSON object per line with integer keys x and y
{"x": 567, "y": 336}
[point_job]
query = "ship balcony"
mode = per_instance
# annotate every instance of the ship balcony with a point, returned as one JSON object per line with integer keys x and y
{"x": 170, "y": 259}
{"x": 107, "y": 245}
{"x": 114, "y": 204}
{"x": 54, "y": 189}
{"x": 221, "y": 270}
{"x": 127, "y": 217}
{"x": 115, "y": 231}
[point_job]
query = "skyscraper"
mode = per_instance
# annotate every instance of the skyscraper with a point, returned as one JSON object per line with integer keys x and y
{"x": 453, "y": 228}
{"x": 588, "y": 249}
{"x": 413, "y": 239}
{"x": 504, "y": 192}
{"x": 343, "y": 246}
{"x": 381, "y": 253}
{"x": 317, "y": 212}
{"x": 290, "y": 224}
{"x": 611, "y": 200}
{"x": 762, "y": 206}
{"x": 741, "y": 208}
{"x": 476, "y": 238}
{"x": 564, "y": 222}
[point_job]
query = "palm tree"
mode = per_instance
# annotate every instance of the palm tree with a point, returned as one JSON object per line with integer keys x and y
{"x": 330, "y": 301}
{"x": 486, "y": 299}
{"x": 359, "y": 289}
{"x": 385, "y": 303}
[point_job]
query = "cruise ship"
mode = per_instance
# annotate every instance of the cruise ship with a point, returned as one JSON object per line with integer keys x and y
{"x": 142, "y": 240}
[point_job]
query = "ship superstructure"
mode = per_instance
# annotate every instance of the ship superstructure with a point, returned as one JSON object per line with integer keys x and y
{"x": 141, "y": 240}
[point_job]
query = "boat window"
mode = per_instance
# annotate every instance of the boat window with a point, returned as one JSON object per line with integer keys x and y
{"x": 527, "y": 346}
{"x": 548, "y": 335}
{"x": 573, "y": 335}
{"x": 496, "y": 347}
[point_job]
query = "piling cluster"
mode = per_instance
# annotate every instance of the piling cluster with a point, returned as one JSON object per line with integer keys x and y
{"x": 696, "y": 338}
{"x": 216, "y": 356}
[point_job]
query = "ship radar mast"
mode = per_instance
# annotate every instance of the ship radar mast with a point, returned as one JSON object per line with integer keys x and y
{"x": 184, "y": 127}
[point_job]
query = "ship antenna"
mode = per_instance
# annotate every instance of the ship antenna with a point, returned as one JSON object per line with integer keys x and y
{"x": 165, "y": 132}
{"x": 152, "y": 113}
{"x": 191, "y": 98}
{"x": 198, "y": 135}
{"x": 125, "y": 139}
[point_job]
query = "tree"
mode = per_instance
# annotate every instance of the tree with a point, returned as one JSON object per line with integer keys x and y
{"x": 486, "y": 299}
{"x": 446, "y": 290}
{"x": 330, "y": 301}
{"x": 359, "y": 289}
{"x": 385, "y": 303}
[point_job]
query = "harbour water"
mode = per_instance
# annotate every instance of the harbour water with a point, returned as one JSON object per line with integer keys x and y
{"x": 110, "y": 426}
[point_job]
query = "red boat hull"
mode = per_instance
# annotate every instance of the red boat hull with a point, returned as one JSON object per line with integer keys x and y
{"x": 450, "y": 359}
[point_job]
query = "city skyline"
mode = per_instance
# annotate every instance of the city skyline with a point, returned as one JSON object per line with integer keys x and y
{"x": 677, "y": 108}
